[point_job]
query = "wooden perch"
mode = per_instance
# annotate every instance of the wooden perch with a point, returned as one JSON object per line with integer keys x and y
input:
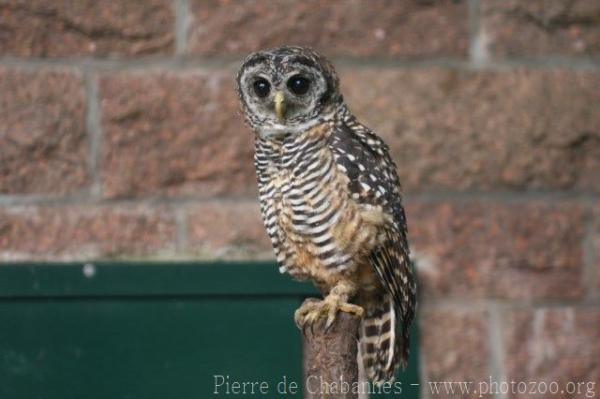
{"x": 330, "y": 363}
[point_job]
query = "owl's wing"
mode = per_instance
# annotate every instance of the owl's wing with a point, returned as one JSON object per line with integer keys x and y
{"x": 374, "y": 181}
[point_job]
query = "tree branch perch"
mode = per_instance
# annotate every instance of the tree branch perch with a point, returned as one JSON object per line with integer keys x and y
{"x": 330, "y": 358}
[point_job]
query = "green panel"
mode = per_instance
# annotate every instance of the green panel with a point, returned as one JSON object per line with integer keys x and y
{"x": 149, "y": 330}
{"x": 148, "y": 279}
{"x": 143, "y": 348}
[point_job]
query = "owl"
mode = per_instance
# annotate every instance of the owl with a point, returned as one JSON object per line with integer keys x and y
{"x": 330, "y": 201}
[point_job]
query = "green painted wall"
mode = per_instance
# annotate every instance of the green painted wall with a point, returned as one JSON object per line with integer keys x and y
{"x": 150, "y": 331}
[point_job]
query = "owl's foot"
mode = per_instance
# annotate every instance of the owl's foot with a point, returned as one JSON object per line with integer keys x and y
{"x": 311, "y": 311}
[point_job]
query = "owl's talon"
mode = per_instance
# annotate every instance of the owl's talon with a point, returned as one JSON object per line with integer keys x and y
{"x": 331, "y": 317}
{"x": 329, "y": 323}
{"x": 310, "y": 312}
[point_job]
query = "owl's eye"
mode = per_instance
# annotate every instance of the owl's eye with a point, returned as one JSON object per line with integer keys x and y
{"x": 298, "y": 84}
{"x": 262, "y": 87}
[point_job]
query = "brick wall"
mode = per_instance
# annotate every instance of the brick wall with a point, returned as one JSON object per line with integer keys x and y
{"x": 120, "y": 137}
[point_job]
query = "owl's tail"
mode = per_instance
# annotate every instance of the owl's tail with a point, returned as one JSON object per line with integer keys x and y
{"x": 381, "y": 347}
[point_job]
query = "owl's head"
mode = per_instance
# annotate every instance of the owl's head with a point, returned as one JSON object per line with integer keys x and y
{"x": 287, "y": 90}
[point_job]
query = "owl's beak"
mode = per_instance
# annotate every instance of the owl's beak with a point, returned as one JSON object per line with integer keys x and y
{"x": 279, "y": 101}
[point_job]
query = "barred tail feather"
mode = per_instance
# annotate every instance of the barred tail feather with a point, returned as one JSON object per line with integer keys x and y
{"x": 403, "y": 348}
{"x": 382, "y": 350}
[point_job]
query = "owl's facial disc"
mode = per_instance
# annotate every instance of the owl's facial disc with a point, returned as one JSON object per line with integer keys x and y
{"x": 282, "y": 101}
{"x": 286, "y": 90}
